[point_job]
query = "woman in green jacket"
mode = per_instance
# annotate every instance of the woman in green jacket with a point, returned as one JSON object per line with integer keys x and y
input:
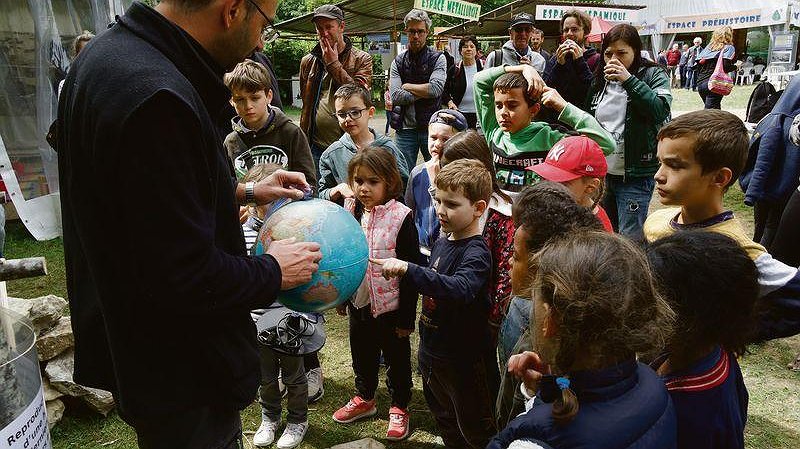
{"x": 630, "y": 97}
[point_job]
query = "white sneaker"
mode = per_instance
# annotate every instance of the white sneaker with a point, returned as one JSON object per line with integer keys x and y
{"x": 265, "y": 434}
{"x": 315, "y": 385}
{"x": 293, "y": 435}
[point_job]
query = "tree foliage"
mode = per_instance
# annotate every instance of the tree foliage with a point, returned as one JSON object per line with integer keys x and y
{"x": 289, "y": 9}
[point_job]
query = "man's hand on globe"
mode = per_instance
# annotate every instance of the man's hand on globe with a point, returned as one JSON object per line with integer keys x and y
{"x": 391, "y": 268}
{"x": 281, "y": 184}
{"x": 298, "y": 260}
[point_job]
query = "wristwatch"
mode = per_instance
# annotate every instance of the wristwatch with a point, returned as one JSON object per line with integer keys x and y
{"x": 250, "y": 193}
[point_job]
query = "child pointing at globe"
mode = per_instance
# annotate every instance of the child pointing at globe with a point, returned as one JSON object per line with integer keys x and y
{"x": 382, "y": 311}
{"x": 454, "y": 324}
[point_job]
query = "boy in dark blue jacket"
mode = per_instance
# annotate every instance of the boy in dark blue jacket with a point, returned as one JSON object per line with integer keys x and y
{"x": 453, "y": 326}
{"x": 714, "y": 292}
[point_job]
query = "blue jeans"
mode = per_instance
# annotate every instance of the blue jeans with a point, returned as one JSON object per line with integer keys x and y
{"x": 517, "y": 320}
{"x": 691, "y": 78}
{"x": 627, "y": 203}
{"x": 710, "y": 99}
{"x": 410, "y": 141}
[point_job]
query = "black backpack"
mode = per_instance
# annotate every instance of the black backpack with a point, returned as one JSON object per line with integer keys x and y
{"x": 761, "y": 102}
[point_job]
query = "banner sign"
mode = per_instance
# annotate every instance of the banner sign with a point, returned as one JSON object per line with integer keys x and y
{"x": 735, "y": 19}
{"x": 454, "y": 8}
{"x": 795, "y": 18}
{"x": 554, "y": 12}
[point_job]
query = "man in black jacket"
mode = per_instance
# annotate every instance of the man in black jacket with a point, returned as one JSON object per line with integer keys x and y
{"x": 158, "y": 279}
{"x": 570, "y": 69}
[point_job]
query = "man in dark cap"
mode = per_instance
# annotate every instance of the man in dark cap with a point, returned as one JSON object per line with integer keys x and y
{"x": 332, "y": 63}
{"x": 517, "y": 51}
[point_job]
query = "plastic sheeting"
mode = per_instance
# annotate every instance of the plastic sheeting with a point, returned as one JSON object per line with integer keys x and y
{"x": 35, "y": 41}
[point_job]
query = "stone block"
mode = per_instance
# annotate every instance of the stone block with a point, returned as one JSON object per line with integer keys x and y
{"x": 60, "y": 371}
{"x": 43, "y": 312}
{"x": 55, "y": 411}
{"x": 55, "y": 340}
{"x": 364, "y": 443}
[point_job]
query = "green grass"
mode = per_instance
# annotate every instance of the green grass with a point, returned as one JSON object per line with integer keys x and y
{"x": 774, "y": 411}
{"x": 686, "y": 100}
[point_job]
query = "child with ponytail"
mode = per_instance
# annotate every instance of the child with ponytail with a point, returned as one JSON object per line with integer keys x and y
{"x": 595, "y": 308}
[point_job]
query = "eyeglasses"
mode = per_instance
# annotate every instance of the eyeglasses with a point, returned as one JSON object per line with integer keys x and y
{"x": 417, "y": 31}
{"x": 268, "y": 33}
{"x": 522, "y": 29}
{"x": 354, "y": 114}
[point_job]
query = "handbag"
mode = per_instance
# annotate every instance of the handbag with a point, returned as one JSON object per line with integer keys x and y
{"x": 720, "y": 83}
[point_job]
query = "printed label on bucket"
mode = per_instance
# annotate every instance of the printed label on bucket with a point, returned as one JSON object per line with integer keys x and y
{"x": 29, "y": 429}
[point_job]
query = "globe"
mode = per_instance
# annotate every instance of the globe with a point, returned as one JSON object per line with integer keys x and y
{"x": 342, "y": 243}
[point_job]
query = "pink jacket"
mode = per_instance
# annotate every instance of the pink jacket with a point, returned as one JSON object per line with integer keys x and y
{"x": 382, "y": 231}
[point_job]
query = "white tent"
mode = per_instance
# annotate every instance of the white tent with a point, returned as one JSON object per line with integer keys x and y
{"x": 35, "y": 36}
{"x": 664, "y": 19}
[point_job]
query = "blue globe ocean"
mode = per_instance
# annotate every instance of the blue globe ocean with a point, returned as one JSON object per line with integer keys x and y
{"x": 342, "y": 243}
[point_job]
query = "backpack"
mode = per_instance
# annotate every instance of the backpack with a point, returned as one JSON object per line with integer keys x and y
{"x": 761, "y": 101}
{"x": 498, "y": 58}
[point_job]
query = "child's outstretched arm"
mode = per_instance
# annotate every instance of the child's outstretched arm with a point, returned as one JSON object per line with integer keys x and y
{"x": 461, "y": 286}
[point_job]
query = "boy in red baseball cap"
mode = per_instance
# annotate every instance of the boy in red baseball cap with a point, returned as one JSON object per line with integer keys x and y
{"x": 579, "y": 164}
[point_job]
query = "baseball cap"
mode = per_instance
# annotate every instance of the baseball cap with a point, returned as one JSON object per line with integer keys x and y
{"x": 449, "y": 117}
{"x": 571, "y": 158}
{"x": 522, "y": 18}
{"x": 328, "y": 12}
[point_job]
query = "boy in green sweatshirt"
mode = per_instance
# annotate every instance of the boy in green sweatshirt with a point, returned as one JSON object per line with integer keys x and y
{"x": 507, "y": 100}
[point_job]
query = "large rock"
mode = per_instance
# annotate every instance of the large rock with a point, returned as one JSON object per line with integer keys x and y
{"x": 55, "y": 411}
{"x": 43, "y": 311}
{"x": 59, "y": 370}
{"x": 56, "y": 340}
{"x": 364, "y": 443}
{"x": 98, "y": 400}
{"x": 50, "y": 393}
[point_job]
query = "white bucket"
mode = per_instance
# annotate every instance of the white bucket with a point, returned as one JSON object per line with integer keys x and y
{"x": 23, "y": 417}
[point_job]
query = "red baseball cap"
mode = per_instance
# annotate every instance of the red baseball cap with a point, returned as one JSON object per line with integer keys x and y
{"x": 571, "y": 158}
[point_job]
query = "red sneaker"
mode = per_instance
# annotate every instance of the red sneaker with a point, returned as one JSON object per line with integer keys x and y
{"x": 357, "y": 408}
{"x": 398, "y": 424}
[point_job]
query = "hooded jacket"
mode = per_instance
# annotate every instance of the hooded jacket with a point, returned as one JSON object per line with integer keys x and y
{"x": 513, "y": 153}
{"x": 333, "y": 162}
{"x": 773, "y": 162}
{"x": 353, "y": 66}
{"x": 160, "y": 301}
{"x": 279, "y": 142}
{"x": 511, "y": 57}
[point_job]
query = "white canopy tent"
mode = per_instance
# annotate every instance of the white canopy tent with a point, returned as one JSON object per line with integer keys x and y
{"x": 662, "y": 20}
{"x": 35, "y": 36}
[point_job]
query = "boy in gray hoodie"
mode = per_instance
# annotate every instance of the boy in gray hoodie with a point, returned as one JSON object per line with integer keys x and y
{"x": 261, "y": 133}
{"x": 354, "y": 110}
